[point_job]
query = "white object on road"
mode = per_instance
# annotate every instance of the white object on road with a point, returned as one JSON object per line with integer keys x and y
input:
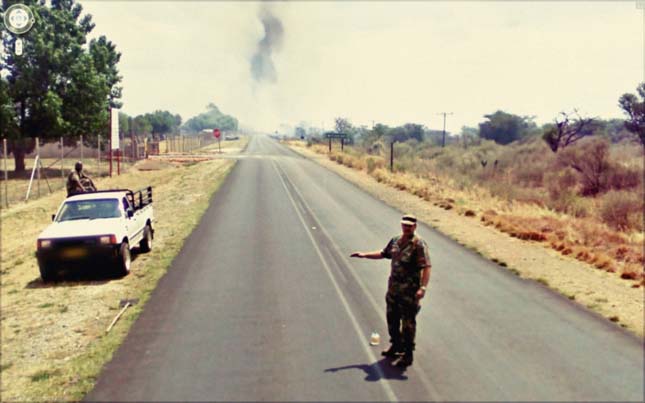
{"x": 375, "y": 339}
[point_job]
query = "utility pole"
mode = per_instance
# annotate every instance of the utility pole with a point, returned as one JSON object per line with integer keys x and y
{"x": 443, "y": 141}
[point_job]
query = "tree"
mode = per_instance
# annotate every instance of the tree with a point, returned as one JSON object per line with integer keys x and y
{"x": 212, "y": 118}
{"x": 58, "y": 86}
{"x": 124, "y": 123}
{"x": 163, "y": 122}
{"x": 591, "y": 160}
{"x": 504, "y": 128}
{"x": 469, "y": 135}
{"x": 342, "y": 125}
{"x": 7, "y": 111}
{"x": 635, "y": 110}
{"x": 567, "y": 130}
{"x": 141, "y": 126}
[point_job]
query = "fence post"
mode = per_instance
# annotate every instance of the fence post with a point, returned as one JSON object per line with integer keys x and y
{"x": 81, "y": 148}
{"x": 110, "y": 155}
{"x": 38, "y": 165}
{"x": 62, "y": 158}
{"x": 6, "y": 174}
{"x": 392, "y": 157}
{"x": 98, "y": 168}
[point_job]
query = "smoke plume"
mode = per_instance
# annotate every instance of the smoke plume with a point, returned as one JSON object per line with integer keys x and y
{"x": 262, "y": 67}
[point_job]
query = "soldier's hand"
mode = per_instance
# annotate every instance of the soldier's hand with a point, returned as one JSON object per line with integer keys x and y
{"x": 356, "y": 254}
{"x": 420, "y": 293}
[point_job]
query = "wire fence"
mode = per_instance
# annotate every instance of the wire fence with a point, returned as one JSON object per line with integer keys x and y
{"x": 49, "y": 164}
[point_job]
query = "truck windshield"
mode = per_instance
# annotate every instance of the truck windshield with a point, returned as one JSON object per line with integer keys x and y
{"x": 89, "y": 209}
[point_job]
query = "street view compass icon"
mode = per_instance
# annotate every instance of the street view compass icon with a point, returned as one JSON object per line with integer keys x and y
{"x": 18, "y": 19}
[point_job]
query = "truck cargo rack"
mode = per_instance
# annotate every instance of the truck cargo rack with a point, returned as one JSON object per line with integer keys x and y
{"x": 139, "y": 198}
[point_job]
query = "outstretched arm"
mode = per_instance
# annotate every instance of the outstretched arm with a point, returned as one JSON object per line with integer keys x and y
{"x": 368, "y": 255}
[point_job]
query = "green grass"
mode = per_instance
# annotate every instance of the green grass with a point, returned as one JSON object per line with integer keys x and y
{"x": 543, "y": 281}
{"x": 6, "y": 366}
{"x": 63, "y": 309}
{"x": 46, "y": 305}
{"x": 43, "y": 375}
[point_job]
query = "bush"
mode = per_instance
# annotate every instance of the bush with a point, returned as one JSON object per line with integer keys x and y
{"x": 561, "y": 182}
{"x": 374, "y": 163}
{"x": 621, "y": 177}
{"x": 568, "y": 202}
{"x": 590, "y": 159}
{"x": 529, "y": 175}
{"x": 381, "y": 175}
{"x": 622, "y": 210}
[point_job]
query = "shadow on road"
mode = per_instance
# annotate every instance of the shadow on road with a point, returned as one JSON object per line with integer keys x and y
{"x": 375, "y": 372}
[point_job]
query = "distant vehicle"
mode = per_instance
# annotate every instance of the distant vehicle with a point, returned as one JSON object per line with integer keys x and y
{"x": 98, "y": 227}
{"x": 231, "y": 137}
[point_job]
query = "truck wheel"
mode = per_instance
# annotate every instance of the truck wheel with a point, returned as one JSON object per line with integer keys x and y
{"x": 145, "y": 245}
{"x": 48, "y": 273}
{"x": 124, "y": 259}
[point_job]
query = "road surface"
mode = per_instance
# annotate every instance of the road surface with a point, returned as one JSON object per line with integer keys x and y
{"x": 263, "y": 303}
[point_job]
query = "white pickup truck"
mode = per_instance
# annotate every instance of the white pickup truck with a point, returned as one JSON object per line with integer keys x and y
{"x": 97, "y": 228}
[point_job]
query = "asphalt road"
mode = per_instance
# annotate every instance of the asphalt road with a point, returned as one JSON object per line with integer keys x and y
{"x": 263, "y": 303}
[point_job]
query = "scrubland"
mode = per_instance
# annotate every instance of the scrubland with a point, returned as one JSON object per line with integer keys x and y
{"x": 585, "y": 201}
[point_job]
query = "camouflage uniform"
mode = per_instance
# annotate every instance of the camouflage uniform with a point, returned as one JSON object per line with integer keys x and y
{"x": 409, "y": 258}
{"x": 78, "y": 182}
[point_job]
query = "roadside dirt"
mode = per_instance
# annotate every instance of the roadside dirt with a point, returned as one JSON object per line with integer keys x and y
{"x": 599, "y": 291}
{"x": 53, "y": 335}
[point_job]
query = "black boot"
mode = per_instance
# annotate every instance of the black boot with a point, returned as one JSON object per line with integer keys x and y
{"x": 391, "y": 352}
{"x": 405, "y": 360}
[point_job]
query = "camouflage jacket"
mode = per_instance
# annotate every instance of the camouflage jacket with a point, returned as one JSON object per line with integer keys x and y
{"x": 78, "y": 183}
{"x": 408, "y": 259}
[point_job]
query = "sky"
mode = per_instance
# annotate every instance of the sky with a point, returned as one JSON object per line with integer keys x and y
{"x": 374, "y": 61}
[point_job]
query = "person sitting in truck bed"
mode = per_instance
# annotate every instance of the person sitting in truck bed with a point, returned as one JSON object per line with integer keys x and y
{"x": 78, "y": 181}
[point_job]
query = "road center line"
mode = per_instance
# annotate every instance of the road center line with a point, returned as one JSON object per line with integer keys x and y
{"x": 420, "y": 374}
{"x": 384, "y": 383}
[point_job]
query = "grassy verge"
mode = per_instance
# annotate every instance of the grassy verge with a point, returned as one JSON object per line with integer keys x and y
{"x": 54, "y": 342}
{"x": 584, "y": 238}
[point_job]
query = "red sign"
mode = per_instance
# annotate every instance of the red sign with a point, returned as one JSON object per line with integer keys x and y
{"x": 216, "y": 133}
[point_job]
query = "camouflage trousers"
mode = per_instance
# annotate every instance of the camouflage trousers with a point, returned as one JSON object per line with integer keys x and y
{"x": 401, "y": 313}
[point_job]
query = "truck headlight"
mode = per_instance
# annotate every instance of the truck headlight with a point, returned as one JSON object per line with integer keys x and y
{"x": 107, "y": 240}
{"x": 44, "y": 243}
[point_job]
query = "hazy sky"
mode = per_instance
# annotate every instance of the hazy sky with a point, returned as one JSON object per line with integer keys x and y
{"x": 388, "y": 62}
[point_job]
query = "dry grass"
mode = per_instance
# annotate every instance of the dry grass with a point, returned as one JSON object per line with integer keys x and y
{"x": 54, "y": 342}
{"x": 572, "y": 230}
{"x": 577, "y": 280}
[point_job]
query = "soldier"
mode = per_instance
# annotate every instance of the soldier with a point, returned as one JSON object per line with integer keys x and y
{"x": 78, "y": 181}
{"x": 409, "y": 276}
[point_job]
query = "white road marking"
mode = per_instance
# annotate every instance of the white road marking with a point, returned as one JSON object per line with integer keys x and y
{"x": 421, "y": 375}
{"x": 386, "y": 386}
